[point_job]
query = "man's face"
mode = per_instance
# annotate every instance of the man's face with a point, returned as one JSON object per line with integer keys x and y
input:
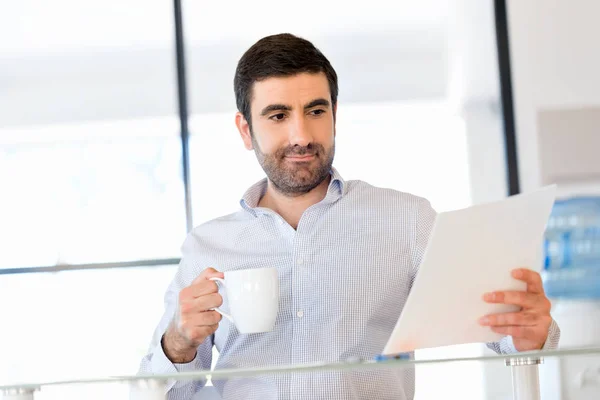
{"x": 293, "y": 131}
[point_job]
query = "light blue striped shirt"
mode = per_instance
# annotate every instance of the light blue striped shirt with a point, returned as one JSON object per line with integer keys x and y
{"x": 345, "y": 275}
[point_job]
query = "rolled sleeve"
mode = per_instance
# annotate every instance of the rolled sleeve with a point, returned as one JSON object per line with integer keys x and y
{"x": 162, "y": 365}
{"x": 553, "y": 337}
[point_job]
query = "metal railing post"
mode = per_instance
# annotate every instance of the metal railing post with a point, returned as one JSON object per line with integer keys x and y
{"x": 525, "y": 377}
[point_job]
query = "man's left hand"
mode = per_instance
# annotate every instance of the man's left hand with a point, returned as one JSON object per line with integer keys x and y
{"x": 529, "y": 326}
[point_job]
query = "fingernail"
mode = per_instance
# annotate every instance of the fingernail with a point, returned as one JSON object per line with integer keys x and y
{"x": 484, "y": 321}
{"x": 489, "y": 296}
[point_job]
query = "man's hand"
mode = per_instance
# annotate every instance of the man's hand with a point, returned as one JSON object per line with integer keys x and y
{"x": 528, "y": 327}
{"x": 193, "y": 322}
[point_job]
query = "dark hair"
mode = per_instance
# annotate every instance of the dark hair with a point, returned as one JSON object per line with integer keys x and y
{"x": 277, "y": 56}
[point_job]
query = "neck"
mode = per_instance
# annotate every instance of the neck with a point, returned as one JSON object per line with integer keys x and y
{"x": 291, "y": 208}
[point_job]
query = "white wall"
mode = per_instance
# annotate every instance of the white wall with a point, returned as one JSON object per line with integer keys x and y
{"x": 555, "y": 60}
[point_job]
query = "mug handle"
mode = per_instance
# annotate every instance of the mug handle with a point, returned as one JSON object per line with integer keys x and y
{"x": 222, "y": 282}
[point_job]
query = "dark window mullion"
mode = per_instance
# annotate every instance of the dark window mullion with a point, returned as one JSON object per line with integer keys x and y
{"x": 183, "y": 110}
{"x": 506, "y": 93}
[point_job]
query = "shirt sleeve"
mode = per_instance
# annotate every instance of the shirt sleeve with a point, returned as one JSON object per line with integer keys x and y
{"x": 424, "y": 224}
{"x": 156, "y": 362}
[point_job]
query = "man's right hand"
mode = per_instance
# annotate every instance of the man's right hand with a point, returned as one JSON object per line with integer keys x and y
{"x": 193, "y": 321}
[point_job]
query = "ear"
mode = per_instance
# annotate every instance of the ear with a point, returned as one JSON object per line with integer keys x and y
{"x": 244, "y": 129}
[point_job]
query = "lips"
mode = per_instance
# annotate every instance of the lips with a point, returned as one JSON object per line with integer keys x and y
{"x": 300, "y": 155}
{"x": 304, "y": 157}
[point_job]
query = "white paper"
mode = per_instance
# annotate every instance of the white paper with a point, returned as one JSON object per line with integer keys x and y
{"x": 471, "y": 252}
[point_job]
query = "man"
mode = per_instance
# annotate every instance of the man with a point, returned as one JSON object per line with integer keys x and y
{"x": 346, "y": 252}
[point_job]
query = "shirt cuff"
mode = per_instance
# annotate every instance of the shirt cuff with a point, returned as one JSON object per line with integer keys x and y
{"x": 553, "y": 337}
{"x": 507, "y": 346}
{"x": 162, "y": 365}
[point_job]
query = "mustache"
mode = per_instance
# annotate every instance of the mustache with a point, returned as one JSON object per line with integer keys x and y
{"x": 310, "y": 150}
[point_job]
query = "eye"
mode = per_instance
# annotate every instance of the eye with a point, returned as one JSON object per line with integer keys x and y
{"x": 277, "y": 117}
{"x": 316, "y": 113}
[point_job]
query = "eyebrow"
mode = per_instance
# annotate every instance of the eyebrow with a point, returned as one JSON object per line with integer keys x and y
{"x": 283, "y": 107}
{"x": 274, "y": 107}
{"x": 317, "y": 102}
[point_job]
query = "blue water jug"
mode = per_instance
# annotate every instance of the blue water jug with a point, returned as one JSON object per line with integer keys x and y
{"x": 572, "y": 249}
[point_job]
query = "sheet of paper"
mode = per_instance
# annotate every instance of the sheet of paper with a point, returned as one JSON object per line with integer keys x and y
{"x": 471, "y": 252}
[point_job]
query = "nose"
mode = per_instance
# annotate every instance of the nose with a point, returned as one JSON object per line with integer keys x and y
{"x": 299, "y": 132}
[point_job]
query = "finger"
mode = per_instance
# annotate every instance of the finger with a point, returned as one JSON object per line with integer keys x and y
{"x": 199, "y": 334}
{"x": 509, "y": 319}
{"x": 532, "y": 278}
{"x": 517, "y": 332}
{"x": 208, "y": 273}
{"x": 200, "y": 319}
{"x": 201, "y": 304}
{"x": 523, "y": 299}
{"x": 199, "y": 289}
{"x": 211, "y": 328}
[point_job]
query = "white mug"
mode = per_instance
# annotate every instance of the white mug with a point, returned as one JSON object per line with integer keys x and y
{"x": 253, "y": 296}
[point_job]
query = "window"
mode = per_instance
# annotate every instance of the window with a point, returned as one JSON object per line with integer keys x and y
{"x": 78, "y": 324}
{"x": 91, "y": 192}
{"x": 90, "y": 172}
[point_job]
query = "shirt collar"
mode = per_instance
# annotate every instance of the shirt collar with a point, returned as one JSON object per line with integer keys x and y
{"x": 336, "y": 189}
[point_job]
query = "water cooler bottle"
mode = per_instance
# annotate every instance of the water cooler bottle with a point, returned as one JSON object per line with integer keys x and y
{"x": 572, "y": 281}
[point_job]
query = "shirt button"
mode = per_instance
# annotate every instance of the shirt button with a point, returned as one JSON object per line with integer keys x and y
{"x": 299, "y": 261}
{"x": 300, "y": 314}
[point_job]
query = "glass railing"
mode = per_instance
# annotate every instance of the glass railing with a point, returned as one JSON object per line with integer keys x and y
{"x": 560, "y": 374}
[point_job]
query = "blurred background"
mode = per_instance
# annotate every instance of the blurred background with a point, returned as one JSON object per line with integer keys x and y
{"x": 113, "y": 144}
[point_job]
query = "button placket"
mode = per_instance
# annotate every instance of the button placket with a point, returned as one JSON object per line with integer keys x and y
{"x": 296, "y": 311}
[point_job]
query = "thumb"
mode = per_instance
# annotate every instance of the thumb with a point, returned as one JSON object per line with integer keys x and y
{"x": 208, "y": 273}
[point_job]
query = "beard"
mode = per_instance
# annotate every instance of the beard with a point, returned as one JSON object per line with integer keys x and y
{"x": 296, "y": 178}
